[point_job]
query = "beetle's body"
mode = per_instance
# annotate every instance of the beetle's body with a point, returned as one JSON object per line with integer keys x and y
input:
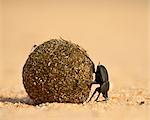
{"x": 101, "y": 74}
{"x": 101, "y": 78}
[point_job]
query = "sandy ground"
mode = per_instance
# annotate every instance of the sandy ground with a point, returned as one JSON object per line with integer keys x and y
{"x": 113, "y": 32}
{"x": 123, "y": 104}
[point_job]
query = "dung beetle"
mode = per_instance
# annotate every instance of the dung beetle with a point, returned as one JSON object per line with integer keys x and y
{"x": 101, "y": 78}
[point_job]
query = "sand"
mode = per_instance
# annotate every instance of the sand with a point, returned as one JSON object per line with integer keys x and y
{"x": 114, "y": 32}
{"x": 123, "y": 104}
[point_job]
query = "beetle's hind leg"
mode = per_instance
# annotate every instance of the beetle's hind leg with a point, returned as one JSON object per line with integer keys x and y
{"x": 104, "y": 89}
{"x": 97, "y": 89}
{"x": 105, "y": 95}
{"x": 99, "y": 92}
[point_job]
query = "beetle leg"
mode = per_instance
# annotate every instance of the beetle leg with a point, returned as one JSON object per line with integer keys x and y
{"x": 105, "y": 95}
{"x": 97, "y": 89}
{"x": 99, "y": 92}
{"x": 94, "y": 82}
{"x": 104, "y": 90}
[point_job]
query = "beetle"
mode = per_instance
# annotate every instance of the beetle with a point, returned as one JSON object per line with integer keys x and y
{"x": 101, "y": 78}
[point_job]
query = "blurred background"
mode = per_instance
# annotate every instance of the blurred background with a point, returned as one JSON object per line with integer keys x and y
{"x": 114, "y": 32}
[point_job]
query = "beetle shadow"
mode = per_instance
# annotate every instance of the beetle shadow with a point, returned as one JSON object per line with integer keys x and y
{"x": 101, "y": 101}
{"x": 24, "y": 100}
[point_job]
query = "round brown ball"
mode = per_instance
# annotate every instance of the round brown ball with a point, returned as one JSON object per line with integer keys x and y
{"x": 58, "y": 71}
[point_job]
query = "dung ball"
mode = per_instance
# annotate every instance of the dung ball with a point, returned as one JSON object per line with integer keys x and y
{"x": 58, "y": 71}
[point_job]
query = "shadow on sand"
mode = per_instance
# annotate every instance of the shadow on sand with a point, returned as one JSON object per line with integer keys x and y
{"x": 24, "y": 100}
